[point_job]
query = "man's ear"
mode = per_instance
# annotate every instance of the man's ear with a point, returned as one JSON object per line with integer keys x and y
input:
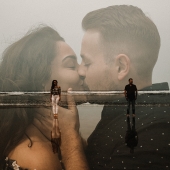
{"x": 123, "y": 66}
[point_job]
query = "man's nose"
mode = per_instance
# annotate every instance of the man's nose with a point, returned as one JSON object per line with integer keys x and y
{"x": 82, "y": 71}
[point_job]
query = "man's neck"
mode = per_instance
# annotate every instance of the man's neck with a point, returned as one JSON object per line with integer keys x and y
{"x": 142, "y": 85}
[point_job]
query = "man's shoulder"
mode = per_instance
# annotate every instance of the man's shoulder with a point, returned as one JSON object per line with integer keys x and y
{"x": 126, "y": 87}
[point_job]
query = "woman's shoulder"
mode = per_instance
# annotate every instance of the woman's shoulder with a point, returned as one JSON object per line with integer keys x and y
{"x": 39, "y": 156}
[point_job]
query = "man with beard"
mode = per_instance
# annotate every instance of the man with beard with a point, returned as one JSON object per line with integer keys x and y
{"x": 121, "y": 42}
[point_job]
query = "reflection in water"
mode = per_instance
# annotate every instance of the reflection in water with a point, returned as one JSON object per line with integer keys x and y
{"x": 106, "y": 145}
{"x": 131, "y": 138}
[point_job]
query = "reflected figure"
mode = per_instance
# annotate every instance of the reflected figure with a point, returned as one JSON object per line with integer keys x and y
{"x": 131, "y": 138}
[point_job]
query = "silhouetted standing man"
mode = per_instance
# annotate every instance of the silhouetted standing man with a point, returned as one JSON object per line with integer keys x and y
{"x": 131, "y": 96}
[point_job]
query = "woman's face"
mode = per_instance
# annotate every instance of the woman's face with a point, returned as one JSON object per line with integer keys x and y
{"x": 55, "y": 83}
{"x": 64, "y": 68}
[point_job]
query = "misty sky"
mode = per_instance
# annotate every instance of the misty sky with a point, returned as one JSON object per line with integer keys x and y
{"x": 19, "y": 16}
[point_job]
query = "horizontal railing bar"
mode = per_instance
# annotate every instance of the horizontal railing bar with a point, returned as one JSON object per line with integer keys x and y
{"x": 7, "y": 105}
{"x": 83, "y": 92}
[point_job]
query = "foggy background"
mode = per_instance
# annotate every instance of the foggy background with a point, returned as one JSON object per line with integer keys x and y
{"x": 19, "y": 16}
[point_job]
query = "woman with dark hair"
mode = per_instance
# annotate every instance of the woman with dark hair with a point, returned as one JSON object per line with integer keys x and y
{"x": 55, "y": 98}
{"x": 30, "y": 64}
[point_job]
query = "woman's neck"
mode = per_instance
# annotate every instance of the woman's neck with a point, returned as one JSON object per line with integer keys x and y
{"x": 42, "y": 122}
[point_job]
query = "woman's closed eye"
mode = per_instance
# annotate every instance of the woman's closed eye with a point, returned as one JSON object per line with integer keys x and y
{"x": 87, "y": 64}
{"x": 70, "y": 64}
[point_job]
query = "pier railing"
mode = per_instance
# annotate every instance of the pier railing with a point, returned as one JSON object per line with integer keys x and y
{"x": 38, "y": 99}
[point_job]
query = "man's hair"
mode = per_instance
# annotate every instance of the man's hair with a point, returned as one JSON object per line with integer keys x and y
{"x": 126, "y": 30}
{"x": 130, "y": 79}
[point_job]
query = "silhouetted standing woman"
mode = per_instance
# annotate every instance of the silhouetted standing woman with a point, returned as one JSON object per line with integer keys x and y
{"x": 55, "y": 98}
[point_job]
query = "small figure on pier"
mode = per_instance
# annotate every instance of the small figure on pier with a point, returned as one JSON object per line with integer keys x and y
{"x": 55, "y": 98}
{"x": 130, "y": 95}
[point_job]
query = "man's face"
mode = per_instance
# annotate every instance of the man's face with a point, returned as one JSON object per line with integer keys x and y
{"x": 131, "y": 81}
{"x": 97, "y": 74}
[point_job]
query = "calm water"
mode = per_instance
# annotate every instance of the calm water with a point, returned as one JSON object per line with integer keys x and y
{"x": 152, "y": 125}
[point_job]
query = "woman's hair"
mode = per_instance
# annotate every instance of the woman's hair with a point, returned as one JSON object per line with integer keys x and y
{"x": 52, "y": 85}
{"x": 25, "y": 66}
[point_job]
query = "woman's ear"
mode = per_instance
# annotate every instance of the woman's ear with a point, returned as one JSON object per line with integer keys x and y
{"x": 123, "y": 66}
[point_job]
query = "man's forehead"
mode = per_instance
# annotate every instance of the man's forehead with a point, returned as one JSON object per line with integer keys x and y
{"x": 92, "y": 35}
{"x": 91, "y": 43}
